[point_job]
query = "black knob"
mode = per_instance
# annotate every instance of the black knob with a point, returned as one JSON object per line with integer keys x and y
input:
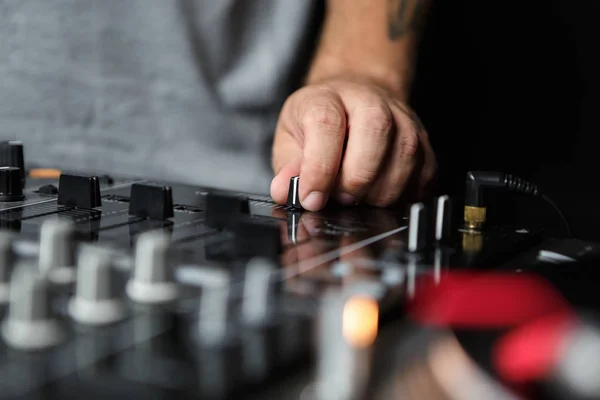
{"x": 11, "y": 155}
{"x": 79, "y": 191}
{"x": 224, "y": 210}
{"x": 151, "y": 201}
{"x": 293, "y": 199}
{"x": 10, "y": 184}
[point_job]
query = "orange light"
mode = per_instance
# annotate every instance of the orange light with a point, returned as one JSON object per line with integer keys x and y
{"x": 45, "y": 173}
{"x": 360, "y": 321}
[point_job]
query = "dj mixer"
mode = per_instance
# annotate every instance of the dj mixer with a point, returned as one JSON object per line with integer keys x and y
{"x": 115, "y": 287}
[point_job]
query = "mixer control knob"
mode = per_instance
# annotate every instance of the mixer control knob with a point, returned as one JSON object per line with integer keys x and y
{"x": 30, "y": 324}
{"x": 57, "y": 250}
{"x": 223, "y": 210}
{"x": 293, "y": 199}
{"x": 95, "y": 301}
{"x": 258, "y": 291}
{"x": 7, "y": 257}
{"x": 11, "y": 187}
{"x": 11, "y": 155}
{"x": 418, "y": 234}
{"x": 151, "y": 201}
{"x": 152, "y": 280}
{"x": 79, "y": 191}
{"x": 443, "y": 218}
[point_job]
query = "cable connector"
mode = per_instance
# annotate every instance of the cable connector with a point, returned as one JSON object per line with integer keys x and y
{"x": 478, "y": 181}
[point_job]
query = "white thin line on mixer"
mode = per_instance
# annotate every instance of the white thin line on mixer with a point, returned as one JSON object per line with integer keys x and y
{"x": 304, "y": 266}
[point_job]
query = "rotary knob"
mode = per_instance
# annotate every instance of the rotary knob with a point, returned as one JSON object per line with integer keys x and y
{"x": 30, "y": 323}
{"x": 11, "y": 155}
{"x": 11, "y": 188}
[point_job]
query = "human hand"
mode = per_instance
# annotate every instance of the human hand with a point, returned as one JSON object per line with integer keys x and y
{"x": 352, "y": 140}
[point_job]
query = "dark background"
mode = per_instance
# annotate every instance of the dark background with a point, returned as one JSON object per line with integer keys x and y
{"x": 514, "y": 86}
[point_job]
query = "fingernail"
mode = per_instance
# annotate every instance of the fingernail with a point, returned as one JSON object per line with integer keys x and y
{"x": 346, "y": 199}
{"x": 314, "y": 201}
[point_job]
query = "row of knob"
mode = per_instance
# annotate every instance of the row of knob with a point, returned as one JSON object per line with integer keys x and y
{"x": 31, "y": 323}
{"x": 420, "y": 230}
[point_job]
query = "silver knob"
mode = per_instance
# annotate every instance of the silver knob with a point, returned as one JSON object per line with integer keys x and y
{"x": 95, "y": 301}
{"x": 30, "y": 323}
{"x": 443, "y": 218}
{"x": 152, "y": 280}
{"x": 57, "y": 251}
{"x": 417, "y": 228}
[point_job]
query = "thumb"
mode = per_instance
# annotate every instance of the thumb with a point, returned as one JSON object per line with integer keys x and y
{"x": 287, "y": 158}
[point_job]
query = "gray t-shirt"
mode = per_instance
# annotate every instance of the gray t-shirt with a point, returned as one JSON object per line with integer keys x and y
{"x": 186, "y": 90}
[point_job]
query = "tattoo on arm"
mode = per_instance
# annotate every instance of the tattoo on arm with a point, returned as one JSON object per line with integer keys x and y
{"x": 404, "y": 16}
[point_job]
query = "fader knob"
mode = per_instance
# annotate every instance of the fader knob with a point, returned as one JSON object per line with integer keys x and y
{"x": 30, "y": 324}
{"x": 443, "y": 218}
{"x": 418, "y": 234}
{"x": 152, "y": 280}
{"x": 95, "y": 301}
{"x": 7, "y": 257}
{"x": 57, "y": 250}
{"x": 293, "y": 199}
{"x": 11, "y": 155}
{"x": 11, "y": 187}
{"x": 79, "y": 191}
{"x": 151, "y": 201}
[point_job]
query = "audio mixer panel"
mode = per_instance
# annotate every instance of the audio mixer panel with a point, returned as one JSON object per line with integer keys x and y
{"x": 117, "y": 287}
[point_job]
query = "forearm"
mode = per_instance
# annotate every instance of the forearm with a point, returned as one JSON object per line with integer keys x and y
{"x": 372, "y": 39}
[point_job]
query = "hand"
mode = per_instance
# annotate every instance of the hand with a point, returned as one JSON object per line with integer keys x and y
{"x": 351, "y": 140}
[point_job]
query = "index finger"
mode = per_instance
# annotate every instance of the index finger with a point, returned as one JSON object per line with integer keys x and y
{"x": 322, "y": 121}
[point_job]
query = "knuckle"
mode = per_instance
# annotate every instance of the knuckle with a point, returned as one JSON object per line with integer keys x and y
{"x": 326, "y": 115}
{"x": 409, "y": 142}
{"x": 377, "y": 120}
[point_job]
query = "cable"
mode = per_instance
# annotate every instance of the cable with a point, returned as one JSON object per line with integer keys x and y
{"x": 560, "y": 213}
{"x": 477, "y": 181}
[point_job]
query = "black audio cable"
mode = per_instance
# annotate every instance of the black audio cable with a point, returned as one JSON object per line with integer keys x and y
{"x": 478, "y": 181}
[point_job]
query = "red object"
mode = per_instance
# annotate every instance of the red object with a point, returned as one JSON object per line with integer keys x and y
{"x": 530, "y": 353}
{"x": 484, "y": 300}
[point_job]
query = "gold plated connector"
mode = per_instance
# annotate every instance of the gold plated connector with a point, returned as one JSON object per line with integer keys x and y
{"x": 474, "y": 217}
{"x": 472, "y": 242}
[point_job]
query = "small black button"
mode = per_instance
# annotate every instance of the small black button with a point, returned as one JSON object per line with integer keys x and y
{"x": 223, "y": 210}
{"x": 151, "y": 201}
{"x": 11, "y": 155}
{"x": 79, "y": 191}
{"x": 47, "y": 189}
{"x": 10, "y": 184}
{"x": 293, "y": 199}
